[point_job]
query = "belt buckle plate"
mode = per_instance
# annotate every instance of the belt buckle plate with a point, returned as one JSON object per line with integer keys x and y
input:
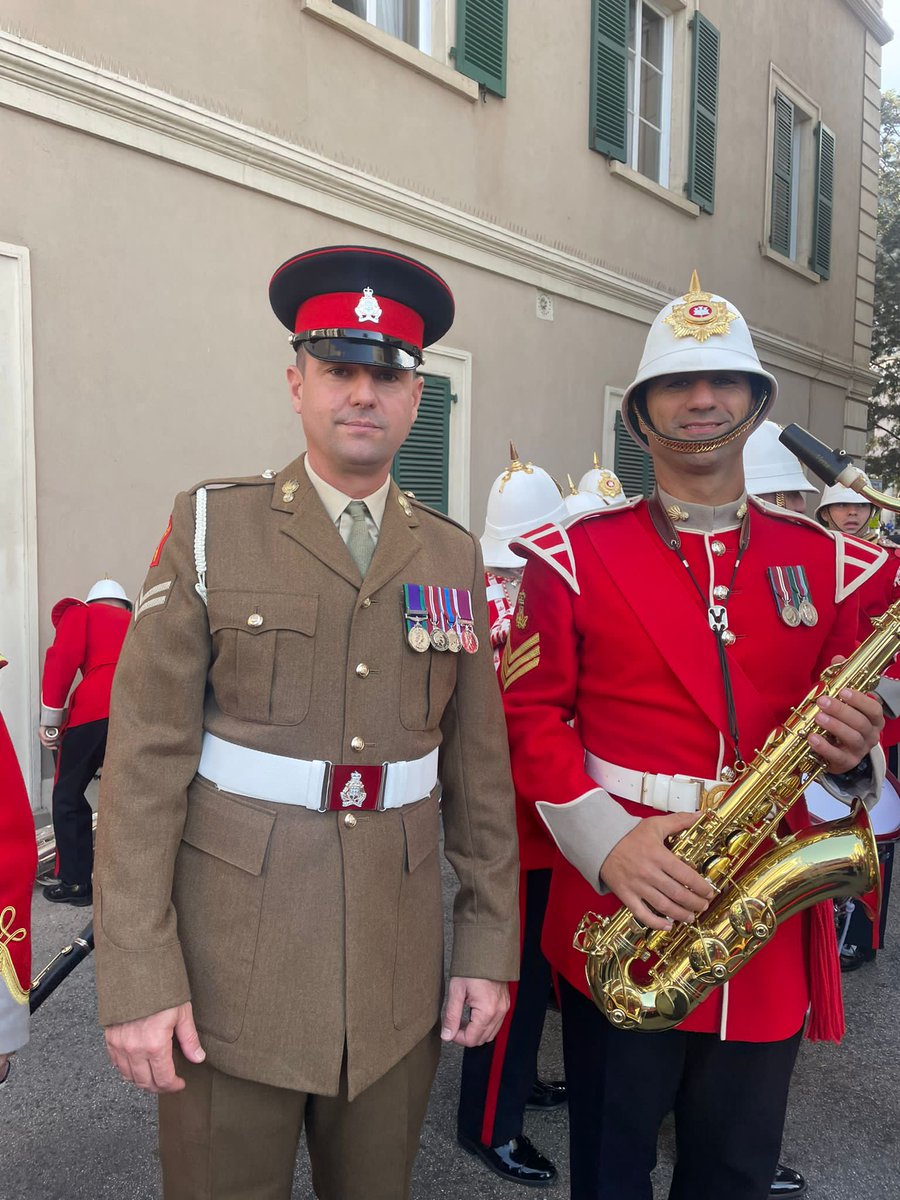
{"x": 348, "y": 788}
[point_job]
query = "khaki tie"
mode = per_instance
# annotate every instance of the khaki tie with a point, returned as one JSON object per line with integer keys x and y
{"x": 359, "y": 543}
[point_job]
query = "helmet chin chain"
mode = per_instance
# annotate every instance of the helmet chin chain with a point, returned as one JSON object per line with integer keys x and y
{"x": 683, "y": 446}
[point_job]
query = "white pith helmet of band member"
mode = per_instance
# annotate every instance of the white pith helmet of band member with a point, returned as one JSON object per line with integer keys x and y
{"x": 107, "y": 589}
{"x": 602, "y": 483}
{"x": 520, "y": 499}
{"x": 696, "y": 333}
{"x": 837, "y": 493}
{"x": 578, "y": 502}
{"x": 769, "y": 467}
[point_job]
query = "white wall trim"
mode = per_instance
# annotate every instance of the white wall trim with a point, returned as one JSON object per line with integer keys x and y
{"x": 873, "y": 20}
{"x": 456, "y": 365}
{"x": 20, "y": 681}
{"x": 55, "y": 87}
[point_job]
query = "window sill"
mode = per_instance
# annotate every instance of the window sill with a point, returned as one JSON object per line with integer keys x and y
{"x": 636, "y": 179}
{"x": 767, "y": 252}
{"x": 392, "y": 47}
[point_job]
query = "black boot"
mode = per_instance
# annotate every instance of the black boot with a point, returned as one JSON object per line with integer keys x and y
{"x": 787, "y": 1182}
{"x": 516, "y": 1160}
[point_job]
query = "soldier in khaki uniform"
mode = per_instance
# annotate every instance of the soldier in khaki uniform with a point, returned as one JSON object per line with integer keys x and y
{"x": 306, "y": 693}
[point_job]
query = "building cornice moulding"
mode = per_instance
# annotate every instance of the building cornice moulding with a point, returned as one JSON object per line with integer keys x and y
{"x": 55, "y": 87}
{"x": 872, "y": 19}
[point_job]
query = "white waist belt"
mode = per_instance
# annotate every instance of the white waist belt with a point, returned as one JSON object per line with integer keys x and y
{"x": 308, "y": 782}
{"x": 668, "y": 793}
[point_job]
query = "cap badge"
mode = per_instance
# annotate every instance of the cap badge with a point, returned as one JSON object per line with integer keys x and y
{"x": 699, "y": 316}
{"x": 368, "y": 308}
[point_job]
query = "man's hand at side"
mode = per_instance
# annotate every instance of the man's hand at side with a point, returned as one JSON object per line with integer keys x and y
{"x": 650, "y": 880}
{"x": 141, "y": 1051}
{"x": 488, "y": 1002}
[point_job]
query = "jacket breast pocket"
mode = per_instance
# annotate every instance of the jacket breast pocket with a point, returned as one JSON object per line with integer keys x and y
{"x": 217, "y": 893}
{"x": 426, "y": 685}
{"x": 263, "y": 652}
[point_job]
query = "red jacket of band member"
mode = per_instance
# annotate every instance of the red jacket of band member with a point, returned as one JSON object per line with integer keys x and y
{"x": 536, "y": 848}
{"x": 16, "y": 884}
{"x": 632, "y": 659}
{"x": 875, "y": 596}
{"x": 88, "y": 639}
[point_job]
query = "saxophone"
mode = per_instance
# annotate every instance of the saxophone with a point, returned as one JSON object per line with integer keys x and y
{"x": 649, "y": 979}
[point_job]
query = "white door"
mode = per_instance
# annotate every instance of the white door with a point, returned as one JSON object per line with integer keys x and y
{"x": 19, "y": 681}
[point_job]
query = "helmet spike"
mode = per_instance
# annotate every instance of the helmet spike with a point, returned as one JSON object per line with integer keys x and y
{"x": 513, "y": 453}
{"x": 573, "y": 490}
{"x": 695, "y": 283}
{"x": 596, "y": 462}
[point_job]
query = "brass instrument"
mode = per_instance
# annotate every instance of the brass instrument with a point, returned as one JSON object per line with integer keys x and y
{"x": 649, "y": 979}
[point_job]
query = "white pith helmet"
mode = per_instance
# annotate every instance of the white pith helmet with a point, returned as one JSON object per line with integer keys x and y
{"x": 520, "y": 499}
{"x": 769, "y": 466}
{"x": 602, "y": 483}
{"x": 578, "y": 502}
{"x": 107, "y": 589}
{"x": 697, "y": 332}
{"x": 836, "y": 493}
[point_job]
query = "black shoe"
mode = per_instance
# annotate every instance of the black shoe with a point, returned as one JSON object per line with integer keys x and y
{"x": 854, "y": 957}
{"x": 787, "y": 1182}
{"x": 516, "y": 1160}
{"x": 547, "y": 1094}
{"x": 79, "y": 894}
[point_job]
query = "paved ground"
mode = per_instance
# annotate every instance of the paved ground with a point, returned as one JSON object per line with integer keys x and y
{"x": 73, "y": 1131}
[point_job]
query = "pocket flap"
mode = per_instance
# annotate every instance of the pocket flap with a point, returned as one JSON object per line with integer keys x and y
{"x": 227, "y": 827}
{"x": 257, "y": 612}
{"x": 422, "y": 827}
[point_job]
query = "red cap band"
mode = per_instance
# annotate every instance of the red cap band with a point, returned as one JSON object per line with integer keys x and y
{"x": 367, "y": 313}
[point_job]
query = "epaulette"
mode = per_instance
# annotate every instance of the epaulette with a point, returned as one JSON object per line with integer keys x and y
{"x": 238, "y": 481}
{"x": 856, "y": 561}
{"x": 61, "y": 607}
{"x": 413, "y": 502}
{"x": 550, "y": 543}
{"x": 607, "y": 510}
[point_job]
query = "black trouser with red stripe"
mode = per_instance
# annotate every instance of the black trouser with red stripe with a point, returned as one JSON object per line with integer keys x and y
{"x": 498, "y": 1077}
{"x": 729, "y": 1100}
{"x": 80, "y": 757}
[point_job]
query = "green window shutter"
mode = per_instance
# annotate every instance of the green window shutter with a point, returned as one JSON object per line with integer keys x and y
{"x": 782, "y": 175}
{"x": 701, "y": 183}
{"x": 824, "y": 199}
{"x": 421, "y": 465}
{"x": 481, "y": 42}
{"x": 633, "y": 465}
{"x": 609, "y": 78}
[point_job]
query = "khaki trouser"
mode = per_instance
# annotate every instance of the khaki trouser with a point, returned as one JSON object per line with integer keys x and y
{"x": 224, "y": 1138}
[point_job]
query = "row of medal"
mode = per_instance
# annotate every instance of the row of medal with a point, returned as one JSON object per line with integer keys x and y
{"x": 790, "y": 588}
{"x": 439, "y": 618}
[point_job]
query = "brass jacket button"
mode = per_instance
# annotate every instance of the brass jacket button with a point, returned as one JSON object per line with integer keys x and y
{"x": 357, "y": 743}
{"x": 717, "y": 547}
{"x": 255, "y": 619}
{"x": 367, "y": 603}
{"x": 350, "y": 820}
{"x": 362, "y": 670}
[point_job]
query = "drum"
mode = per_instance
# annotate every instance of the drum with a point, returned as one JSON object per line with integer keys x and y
{"x": 884, "y": 815}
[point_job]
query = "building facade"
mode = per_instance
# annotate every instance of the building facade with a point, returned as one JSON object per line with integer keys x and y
{"x": 564, "y": 163}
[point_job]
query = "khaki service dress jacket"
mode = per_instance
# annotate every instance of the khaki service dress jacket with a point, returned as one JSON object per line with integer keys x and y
{"x": 294, "y": 932}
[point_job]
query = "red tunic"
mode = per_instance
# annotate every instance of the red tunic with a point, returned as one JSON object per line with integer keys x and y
{"x": 632, "y": 659}
{"x": 536, "y": 849}
{"x": 89, "y": 639}
{"x": 16, "y": 882}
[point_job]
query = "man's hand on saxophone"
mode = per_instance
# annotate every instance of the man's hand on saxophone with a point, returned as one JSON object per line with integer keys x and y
{"x": 853, "y": 724}
{"x": 651, "y": 881}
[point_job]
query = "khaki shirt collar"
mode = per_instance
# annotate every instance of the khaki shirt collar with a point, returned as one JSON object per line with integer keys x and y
{"x": 334, "y": 502}
{"x": 703, "y": 518}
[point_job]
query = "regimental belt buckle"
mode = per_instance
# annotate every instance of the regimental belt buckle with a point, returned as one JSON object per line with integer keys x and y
{"x": 346, "y": 787}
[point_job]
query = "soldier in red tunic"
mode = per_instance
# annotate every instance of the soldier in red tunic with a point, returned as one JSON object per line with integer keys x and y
{"x": 675, "y": 634}
{"x": 89, "y": 637}
{"x": 16, "y": 883}
{"x": 499, "y": 1079}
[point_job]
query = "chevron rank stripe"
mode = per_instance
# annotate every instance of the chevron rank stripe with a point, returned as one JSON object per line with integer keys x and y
{"x": 518, "y": 662}
{"x": 154, "y": 597}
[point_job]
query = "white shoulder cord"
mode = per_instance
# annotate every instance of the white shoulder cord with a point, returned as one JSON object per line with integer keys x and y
{"x": 200, "y": 544}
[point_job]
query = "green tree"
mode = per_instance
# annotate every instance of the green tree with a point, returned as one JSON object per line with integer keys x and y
{"x": 883, "y": 458}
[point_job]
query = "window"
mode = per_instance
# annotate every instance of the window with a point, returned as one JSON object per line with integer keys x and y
{"x": 649, "y": 89}
{"x": 643, "y": 112}
{"x": 409, "y": 20}
{"x": 422, "y": 463}
{"x": 618, "y": 448}
{"x": 801, "y": 181}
